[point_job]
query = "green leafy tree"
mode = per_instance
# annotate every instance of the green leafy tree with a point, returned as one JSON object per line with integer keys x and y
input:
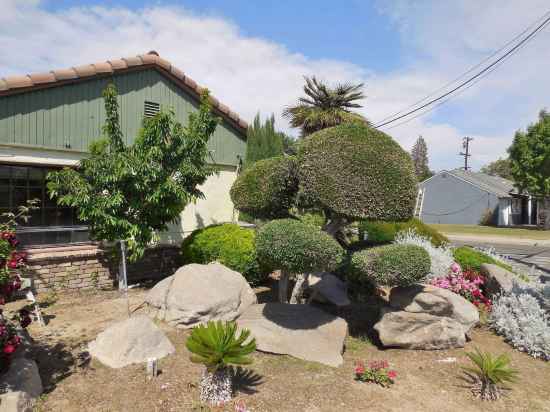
{"x": 530, "y": 160}
{"x": 325, "y": 106}
{"x": 500, "y": 167}
{"x": 263, "y": 141}
{"x": 419, "y": 154}
{"x": 131, "y": 192}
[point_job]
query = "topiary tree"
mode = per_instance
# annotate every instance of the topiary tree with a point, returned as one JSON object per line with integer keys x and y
{"x": 390, "y": 265}
{"x": 267, "y": 189}
{"x": 296, "y": 248}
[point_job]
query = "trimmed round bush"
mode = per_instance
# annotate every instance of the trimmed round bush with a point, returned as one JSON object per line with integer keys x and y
{"x": 390, "y": 265}
{"x": 267, "y": 189}
{"x": 379, "y": 232}
{"x": 357, "y": 172}
{"x": 229, "y": 244}
{"x": 471, "y": 259}
{"x": 297, "y": 247}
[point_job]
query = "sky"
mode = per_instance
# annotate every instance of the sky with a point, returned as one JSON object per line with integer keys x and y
{"x": 253, "y": 56}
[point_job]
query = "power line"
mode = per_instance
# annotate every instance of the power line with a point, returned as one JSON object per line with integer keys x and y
{"x": 533, "y": 33}
{"x": 471, "y": 69}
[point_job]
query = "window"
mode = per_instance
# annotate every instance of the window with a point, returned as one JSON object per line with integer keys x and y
{"x": 151, "y": 109}
{"x": 50, "y": 224}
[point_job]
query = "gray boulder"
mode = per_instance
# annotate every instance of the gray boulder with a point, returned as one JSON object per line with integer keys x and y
{"x": 199, "y": 293}
{"x": 497, "y": 279}
{"x": 411, "y": 330}
{"x": 302, "y": 331}
{"x": 133, "y": 340}
{"x": 435, "y": 301}
{"x": 20, "y": 385}
{"x": 327, "y": 287}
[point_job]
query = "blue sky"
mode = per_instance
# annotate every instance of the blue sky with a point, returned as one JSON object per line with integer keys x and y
{"x": 252, "y": 55}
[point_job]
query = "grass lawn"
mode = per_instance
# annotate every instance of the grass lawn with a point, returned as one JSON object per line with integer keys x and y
{"x": 428, "y": 381}
{"x": 493, "y": 231}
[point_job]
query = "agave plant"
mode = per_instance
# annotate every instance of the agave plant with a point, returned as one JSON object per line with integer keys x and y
{"x": 217, "y": 347}
{"x": 489, "y": 372}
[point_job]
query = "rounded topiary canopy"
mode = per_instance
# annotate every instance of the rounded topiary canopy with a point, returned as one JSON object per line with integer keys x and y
{"x": 267, "y": 188}
{"x": 358, "y": 172}
{"x": 297, "y": 247}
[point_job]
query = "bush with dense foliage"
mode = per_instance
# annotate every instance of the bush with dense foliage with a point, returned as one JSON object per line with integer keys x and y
{"x": 229, "y": 244}
{"x": 390, "y": 265}
{"x": 266, "y": 189}
{"x": 357, "y": 172}
{"x": 379, "y": 232}
{"x": 472, "y": 259}
{"x": 297, "y": 247}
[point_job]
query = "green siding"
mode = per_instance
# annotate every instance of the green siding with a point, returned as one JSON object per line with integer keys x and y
{"x": 71, "y": 116}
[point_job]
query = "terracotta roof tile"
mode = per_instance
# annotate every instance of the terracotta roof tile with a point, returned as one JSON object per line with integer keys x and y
{"x": 16, "y": 84}
{"x": 40, "y": 78}
{"x": 65, "y": 74}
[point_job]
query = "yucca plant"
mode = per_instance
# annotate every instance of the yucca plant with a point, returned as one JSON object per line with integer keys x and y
{"x": 217, "y": 346}
{"x": 489, "y": 373}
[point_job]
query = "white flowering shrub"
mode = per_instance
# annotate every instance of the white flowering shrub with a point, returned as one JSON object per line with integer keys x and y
{"x": 441, "y": 257}
{"x": 523, "y": 321}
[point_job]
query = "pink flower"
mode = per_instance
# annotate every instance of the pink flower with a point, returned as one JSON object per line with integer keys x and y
{"x": 9, "y": 349}
{"x": 455, "y": 267}
{"x": 359, "y": 368}
{"x": 392, "y": 374}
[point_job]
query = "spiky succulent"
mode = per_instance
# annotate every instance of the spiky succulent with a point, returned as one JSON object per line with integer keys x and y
{"x": 217, "y": 346}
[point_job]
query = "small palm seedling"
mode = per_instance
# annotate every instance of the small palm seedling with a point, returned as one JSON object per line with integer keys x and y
{"x": 489, "y": 373}
{"x": 217, "y": 347}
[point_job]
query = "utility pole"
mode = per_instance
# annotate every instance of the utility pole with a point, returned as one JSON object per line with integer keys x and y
{"x": 466, "y": 153}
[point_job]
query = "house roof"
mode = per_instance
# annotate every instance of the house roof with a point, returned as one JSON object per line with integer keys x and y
{"x": 20, "y": 84}
{"x": 497, "y": 185}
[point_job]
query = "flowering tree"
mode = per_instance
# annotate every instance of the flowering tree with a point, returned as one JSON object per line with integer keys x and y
{"x": 12, "y": 263}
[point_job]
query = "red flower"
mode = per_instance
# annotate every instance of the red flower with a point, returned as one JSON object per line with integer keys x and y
{"x": 359, "y": 368}
{"x": 9, "y": 349}
{"x": 392, "y": 374}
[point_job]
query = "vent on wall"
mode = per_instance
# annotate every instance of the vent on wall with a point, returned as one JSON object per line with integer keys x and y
{"x": 151, "y": 109}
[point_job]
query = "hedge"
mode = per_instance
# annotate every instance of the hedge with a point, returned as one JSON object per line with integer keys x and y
{"x": 379, "y": 232}
{"x": 357, "y": 172}
{"x": 297, "y": 247}
{"x": 228, "y": 244}
{"x": 390, "y": 265}
{"x": 267, "y": 189}
{"x": 471, "y": 259}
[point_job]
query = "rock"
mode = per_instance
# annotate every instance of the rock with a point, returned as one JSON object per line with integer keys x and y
{"x": 302, "y": 331}
{"x": 330, "y": 288}
{"x": 419, "y": 331}
{"x": 199, "y": 293}
{"x": 133, "y": 340}
{"x": 497, "y": 279}
{"x": 22, "y": 376}
{"x": 16, "y": 402}
{"x": 435, "y": 301}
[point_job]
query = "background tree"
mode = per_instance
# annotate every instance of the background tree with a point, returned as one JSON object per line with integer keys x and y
{"x": 324, "y": 106}
{"x": 419, "y": 154}
{"x": 530, "y": 161}
{"x": 131, "y": 192}
{"x": 263, "y": 141}
{"x": 500, "y": 167}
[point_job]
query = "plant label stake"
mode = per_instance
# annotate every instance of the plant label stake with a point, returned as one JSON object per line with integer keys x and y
{"x": 152, "y": 368}
{"x": 30, "y": 297}
{"x": 122, "y": 276}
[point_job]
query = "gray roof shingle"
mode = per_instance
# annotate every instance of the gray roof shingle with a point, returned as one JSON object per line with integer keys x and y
{"x": 497, "y": 185}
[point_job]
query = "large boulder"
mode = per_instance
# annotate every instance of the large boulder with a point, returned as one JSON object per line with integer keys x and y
{"x": 133, "y": 340}
{"x": 497, "y": 279}
{"x": 435, "y": 301}
{"x": 411, "y": 330}
{"x": 302, "y": 331}
{"x": 327, "y": 287}
{"x": 199, "y": 293}
{"x": 20, "y": 386}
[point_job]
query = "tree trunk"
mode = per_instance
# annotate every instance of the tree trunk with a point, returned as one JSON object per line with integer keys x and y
{"x": 334, "y": 228}
{"x": 283, "y": 286}
{"x": 299, "y": 287}
{"x": 216, "y": 387}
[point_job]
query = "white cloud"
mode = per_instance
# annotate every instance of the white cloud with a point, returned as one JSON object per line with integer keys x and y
{"x": 251, "y": 74}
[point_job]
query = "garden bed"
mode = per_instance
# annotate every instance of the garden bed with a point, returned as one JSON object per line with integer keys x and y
{"x": 426, "y": 380}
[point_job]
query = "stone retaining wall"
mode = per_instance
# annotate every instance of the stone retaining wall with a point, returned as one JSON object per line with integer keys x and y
{"x": 90, "y": 267}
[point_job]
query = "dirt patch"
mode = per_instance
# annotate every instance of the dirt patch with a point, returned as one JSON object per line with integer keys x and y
{"x": 427, "y": 381}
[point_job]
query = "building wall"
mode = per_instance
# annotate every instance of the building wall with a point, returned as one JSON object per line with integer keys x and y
{"x": 453, "y": 201}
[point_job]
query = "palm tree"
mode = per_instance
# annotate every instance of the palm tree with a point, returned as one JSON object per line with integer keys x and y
{"x": 324, "y": 106}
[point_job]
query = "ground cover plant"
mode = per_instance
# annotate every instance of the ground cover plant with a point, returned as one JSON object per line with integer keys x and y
{"x": 379, "y": 232}
{"x": 378, "y": 372}
{"x": 472, "y": 259}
